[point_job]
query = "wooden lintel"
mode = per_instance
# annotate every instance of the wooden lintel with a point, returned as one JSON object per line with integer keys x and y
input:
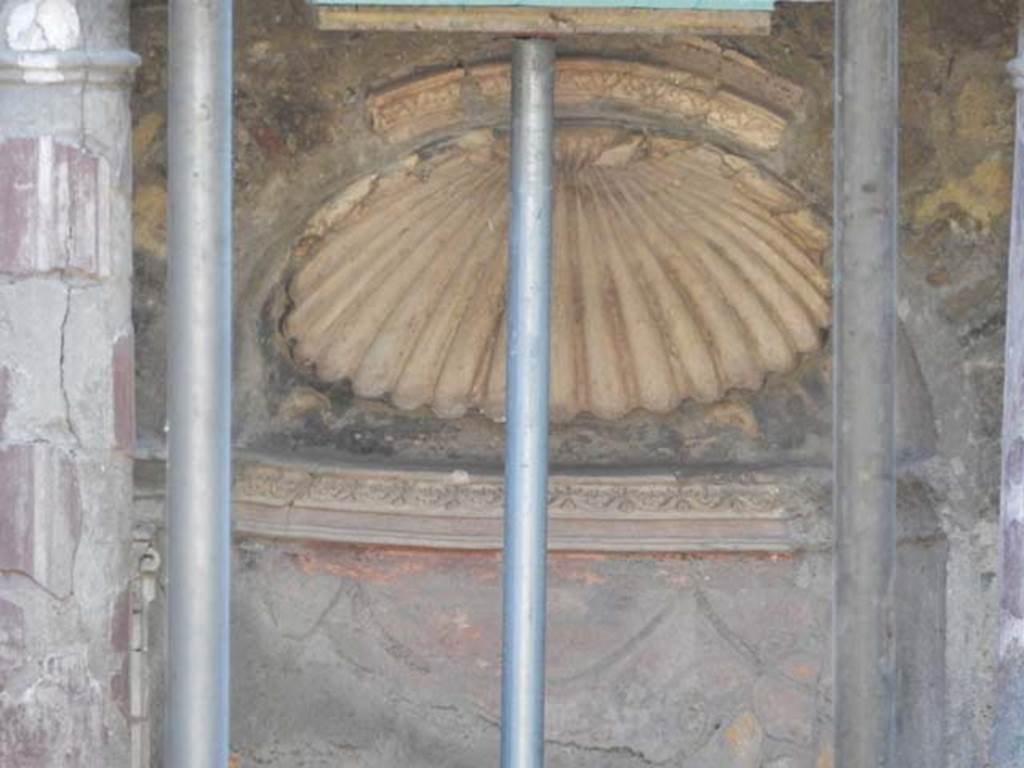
{"x": 507, "y": 20}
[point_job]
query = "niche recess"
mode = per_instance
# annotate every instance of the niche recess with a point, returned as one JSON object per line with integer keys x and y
{"x": 683, "y": 268}
{"x": 690, "y": 386}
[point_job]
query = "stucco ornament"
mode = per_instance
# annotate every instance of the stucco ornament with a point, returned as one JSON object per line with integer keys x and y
{"x": 679, "y": 272}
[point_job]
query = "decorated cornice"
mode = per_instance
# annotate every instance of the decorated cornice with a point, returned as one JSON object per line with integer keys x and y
{"x": 750, "y": 511}
{"x": 720, "y": 92}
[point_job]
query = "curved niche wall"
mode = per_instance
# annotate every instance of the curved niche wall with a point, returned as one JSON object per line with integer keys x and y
{"x": 689, "y": 279}
{"x": 682, "y": 268}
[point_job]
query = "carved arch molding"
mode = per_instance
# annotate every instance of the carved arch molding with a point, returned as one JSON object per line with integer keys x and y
{"x": 683, "y": 267}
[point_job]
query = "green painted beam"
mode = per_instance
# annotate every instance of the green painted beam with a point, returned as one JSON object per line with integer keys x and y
{"x": 675, "y": 5}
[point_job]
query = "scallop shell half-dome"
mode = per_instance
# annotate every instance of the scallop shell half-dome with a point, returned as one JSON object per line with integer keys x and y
{"x": 679, "y": 271}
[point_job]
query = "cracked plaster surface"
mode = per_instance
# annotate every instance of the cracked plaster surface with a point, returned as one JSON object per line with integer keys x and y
{"x": 64, "y": 299}
{"x": 636, "y": 677}
{"x": 63, "y": 369}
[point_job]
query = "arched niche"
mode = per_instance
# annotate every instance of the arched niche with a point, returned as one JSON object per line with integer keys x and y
{"x": 691, "y": 271}
{"x": 679, "y": 271}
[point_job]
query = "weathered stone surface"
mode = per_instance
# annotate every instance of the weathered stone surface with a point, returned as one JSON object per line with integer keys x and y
{"x": 738, "y": 745}
{"x": 786, "y": 710}
{"x": 149, "y": 218}
{"x": 42, "y": 520}
{"x": 123, "y": 374}
{"x": 57, "y": 341}
{"x": 638, "y": 672}
{"x": 91, "y": 380}
{"x": 54, "y": 208}
{"x": 982, "y": 197}
{"x": 12, "y": 639}
{"x": 32, "y": 327}
{"x": 769, "y": 622}
{"x": 921, "y": 587}
{"x": 801, "y": 667}
{"x": 58, "y": 719}
{"x": 650, "y": 659}
{"x": 120, "y": 641}
{"x": 5, "y": 396}
{"x": 824, "y": 756}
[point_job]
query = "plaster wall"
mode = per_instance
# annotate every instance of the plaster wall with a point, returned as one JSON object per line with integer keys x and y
{"x": 66, "y": 388}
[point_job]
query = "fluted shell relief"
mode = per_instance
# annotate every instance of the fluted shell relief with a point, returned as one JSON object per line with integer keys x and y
{"x": 680, "y": 271}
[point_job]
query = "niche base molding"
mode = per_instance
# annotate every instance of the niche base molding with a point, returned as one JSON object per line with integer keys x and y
{"x": 730, "y": 511}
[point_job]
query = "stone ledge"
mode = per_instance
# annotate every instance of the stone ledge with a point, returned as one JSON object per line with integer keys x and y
{"x": 748, "y": 511}
{"x": 111, "y": 67}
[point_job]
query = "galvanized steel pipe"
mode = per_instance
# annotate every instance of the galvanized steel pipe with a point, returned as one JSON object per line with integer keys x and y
{"x": 864, "y": 328}
{"x": 199, "y": 382}
{"x": 526, "y": 452}
{"x": 1008, "y": 731}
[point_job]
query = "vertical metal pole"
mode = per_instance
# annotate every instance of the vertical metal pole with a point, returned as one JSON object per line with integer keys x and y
{"x": 199, "y": 382}
{"x": 526, "y": 452}
{"x": 1008, "y": 732}
{"x": 866, "y": 251}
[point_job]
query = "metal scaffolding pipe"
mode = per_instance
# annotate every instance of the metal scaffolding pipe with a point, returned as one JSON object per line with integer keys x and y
{"x": 199, "y": 382}
{"x": 1008, "y": 730}
{"x": 864, "y": 326}
{"x": 526, "y": 452}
